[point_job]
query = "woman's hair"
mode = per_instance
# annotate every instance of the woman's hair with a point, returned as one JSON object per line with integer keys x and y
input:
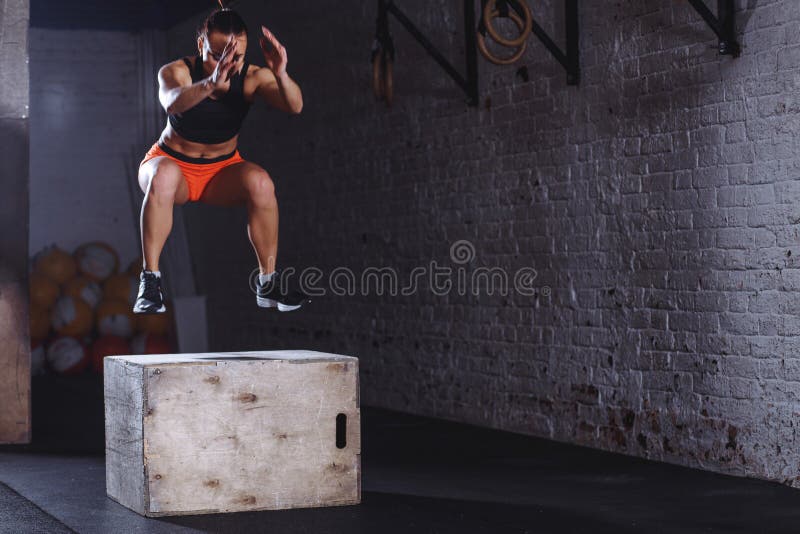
{"x": 223, "y": 20}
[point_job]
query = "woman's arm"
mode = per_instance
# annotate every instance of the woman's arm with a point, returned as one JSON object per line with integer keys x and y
{"x": 279, "y": 91}
{"x": 274, "y": 85}
{"x": 176, "y": 92}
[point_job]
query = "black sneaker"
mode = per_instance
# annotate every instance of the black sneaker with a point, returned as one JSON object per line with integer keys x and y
{"x": 273, "y": 295}
{"x": 151, "y": 297}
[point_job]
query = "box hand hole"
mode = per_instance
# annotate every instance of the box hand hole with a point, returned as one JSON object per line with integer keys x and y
{"x": 341, "y": 431}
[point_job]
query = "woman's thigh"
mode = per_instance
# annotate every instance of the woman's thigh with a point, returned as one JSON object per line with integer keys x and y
{"x": 237, "y": 184}
{"x": 166, "y": 175}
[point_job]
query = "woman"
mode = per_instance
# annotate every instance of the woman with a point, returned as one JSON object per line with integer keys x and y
{"x": 195, "y": 159}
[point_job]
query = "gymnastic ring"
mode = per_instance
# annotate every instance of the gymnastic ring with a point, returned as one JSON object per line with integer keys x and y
{"x": 388, "y": 82}
{"x": 490, "y": 13}
{"x": 503, "y": 61}
{"x": 499, "y": 61}
{"x": 377, "y": 83}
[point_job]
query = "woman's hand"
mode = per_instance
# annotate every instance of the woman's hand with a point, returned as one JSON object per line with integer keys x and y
{"x": 220, "y": 79}
{"x": 275, "y": 57}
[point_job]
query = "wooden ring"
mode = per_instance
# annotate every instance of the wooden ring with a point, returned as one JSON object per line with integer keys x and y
{"x": 490, "y": 13}
{"x": 503, "y": 61}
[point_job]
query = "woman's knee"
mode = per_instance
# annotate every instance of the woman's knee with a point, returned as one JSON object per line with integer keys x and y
{"x": 166, "y": 180}
{"x": 260, "y": 187}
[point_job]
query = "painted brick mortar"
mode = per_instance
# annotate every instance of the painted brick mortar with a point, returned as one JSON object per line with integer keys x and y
{"x": 84, "y": 121}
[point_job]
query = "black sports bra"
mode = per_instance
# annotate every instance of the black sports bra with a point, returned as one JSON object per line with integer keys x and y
{"x": 213, "y": 121}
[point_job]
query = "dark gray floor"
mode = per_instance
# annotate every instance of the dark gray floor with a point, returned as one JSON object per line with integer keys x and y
{"x": 18, "y": 515}
{"x": 425, "y": 475}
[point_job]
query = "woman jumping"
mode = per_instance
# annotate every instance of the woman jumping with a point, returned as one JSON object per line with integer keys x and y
{"x": 196, "y": 158}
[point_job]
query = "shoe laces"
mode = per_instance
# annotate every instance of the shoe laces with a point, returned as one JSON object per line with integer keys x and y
{"x": 151, "y": 287}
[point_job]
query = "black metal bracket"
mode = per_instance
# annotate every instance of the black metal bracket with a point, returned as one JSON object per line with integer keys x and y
{"x": 570, "y": 59}
{"x": 468, "y": 84}
{"x": 723, "y": 24}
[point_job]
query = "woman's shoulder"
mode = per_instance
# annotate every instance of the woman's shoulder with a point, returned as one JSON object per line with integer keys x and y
{"x": 262, "y": 74}
{"x": 251, "y": 69}
{"x": 184, "y": 63}
{"x": 179, "y": 69}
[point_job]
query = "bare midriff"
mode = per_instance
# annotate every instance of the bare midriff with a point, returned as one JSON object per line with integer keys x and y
{"x": 175, "y": 141}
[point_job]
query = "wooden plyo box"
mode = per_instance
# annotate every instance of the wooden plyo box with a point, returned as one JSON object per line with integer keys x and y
{"x": 234, "y": 431}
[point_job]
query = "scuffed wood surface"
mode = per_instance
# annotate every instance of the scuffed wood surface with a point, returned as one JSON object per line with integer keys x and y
{"x": 123, "y": 385}
{"x": 212, "y": 357}
{"x": 15, "y": 364}
{"x": 233, "y": 432}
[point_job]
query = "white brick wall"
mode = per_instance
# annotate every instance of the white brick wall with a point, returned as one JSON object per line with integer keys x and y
{"x": 85, "y": 116}
{"x": 658, "y": 200}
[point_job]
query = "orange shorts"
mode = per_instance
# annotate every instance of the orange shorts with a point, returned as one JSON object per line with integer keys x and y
{"x": 197, "y": 171}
